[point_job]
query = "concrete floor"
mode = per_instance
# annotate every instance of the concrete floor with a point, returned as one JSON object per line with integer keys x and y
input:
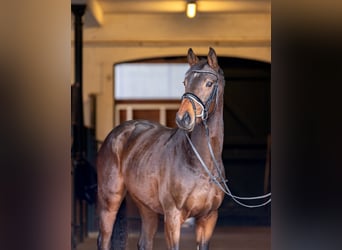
{"x": 225, "y": 237}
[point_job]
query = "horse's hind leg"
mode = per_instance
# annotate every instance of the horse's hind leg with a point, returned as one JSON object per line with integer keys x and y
{"x": 111, "y": 192}
{"x": 107, "y": 216}
{"x": 204, "y": 229}
{"x": 120, "y": 233}
{"x": 149, "y": 226}
{"x": 108, "y": 210}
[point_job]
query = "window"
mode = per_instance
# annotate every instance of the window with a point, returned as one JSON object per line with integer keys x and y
{"x": 148, "y": 81}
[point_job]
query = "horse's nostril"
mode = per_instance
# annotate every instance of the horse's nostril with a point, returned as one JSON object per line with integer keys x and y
{"x": 187, "y": 119}
{"x": 184, "y": 121}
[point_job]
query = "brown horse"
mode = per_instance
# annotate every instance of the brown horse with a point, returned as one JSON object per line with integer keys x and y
{"x": 157, "y": 166}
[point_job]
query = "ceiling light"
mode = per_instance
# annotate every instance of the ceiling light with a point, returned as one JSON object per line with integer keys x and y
{"x": 191, "y": 9}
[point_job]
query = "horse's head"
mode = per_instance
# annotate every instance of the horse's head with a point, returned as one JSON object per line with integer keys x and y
{"x": 202, "y": 83}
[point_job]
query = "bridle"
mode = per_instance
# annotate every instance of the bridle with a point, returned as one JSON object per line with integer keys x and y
{"x": 195, "y": 99}
{"x": 218, "y": 180}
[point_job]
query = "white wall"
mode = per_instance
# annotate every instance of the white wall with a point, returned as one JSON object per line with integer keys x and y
{"x": 128, "y": 37}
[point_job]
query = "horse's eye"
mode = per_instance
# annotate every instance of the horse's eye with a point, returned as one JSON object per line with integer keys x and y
{"x": 209, "y": 84}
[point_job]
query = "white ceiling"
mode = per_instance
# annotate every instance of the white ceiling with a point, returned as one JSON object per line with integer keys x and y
{"x": 172, "y": 6}
{"x": 98, "y": 9}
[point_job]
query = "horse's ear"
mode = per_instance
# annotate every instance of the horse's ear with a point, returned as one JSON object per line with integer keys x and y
{"x": 192, "y": 58}
{"x": 212, "y": 59}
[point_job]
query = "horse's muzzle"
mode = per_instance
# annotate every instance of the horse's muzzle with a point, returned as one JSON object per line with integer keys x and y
{"x": 185, "y": 122}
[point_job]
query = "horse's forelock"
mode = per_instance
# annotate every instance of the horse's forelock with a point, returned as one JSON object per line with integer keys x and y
{"x": 200, "y": 65}
{"x": 197, "y": 66}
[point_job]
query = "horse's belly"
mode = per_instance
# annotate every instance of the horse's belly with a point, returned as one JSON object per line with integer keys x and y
{"x": 146, "y": 193}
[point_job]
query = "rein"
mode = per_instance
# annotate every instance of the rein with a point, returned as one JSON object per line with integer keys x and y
{"x": 219, "y": 180}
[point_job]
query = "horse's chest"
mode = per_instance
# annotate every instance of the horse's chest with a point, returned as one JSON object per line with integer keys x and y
{"x": 204, "y": 198}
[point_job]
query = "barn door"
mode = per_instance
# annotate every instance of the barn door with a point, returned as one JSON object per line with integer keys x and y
{"x": 247, "y": 124}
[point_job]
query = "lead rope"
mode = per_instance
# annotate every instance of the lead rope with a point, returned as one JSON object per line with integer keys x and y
{"x": 224, "y": 188}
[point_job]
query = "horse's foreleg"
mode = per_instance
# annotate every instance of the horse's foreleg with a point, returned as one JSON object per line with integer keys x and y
{"x": 149, "y": 226}
{"x": 172, "y": 225}
{"x": 204, "y": 229}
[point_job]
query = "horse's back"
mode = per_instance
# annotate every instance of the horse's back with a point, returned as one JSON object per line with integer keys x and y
{"x": 126, "y": 131}
{"x": 133, "y": 142}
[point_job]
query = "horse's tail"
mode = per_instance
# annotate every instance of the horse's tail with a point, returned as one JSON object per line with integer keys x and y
{"x": 120, "y": 233}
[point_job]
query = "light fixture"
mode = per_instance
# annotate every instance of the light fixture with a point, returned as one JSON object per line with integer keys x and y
{"x": 191, "y": 9}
